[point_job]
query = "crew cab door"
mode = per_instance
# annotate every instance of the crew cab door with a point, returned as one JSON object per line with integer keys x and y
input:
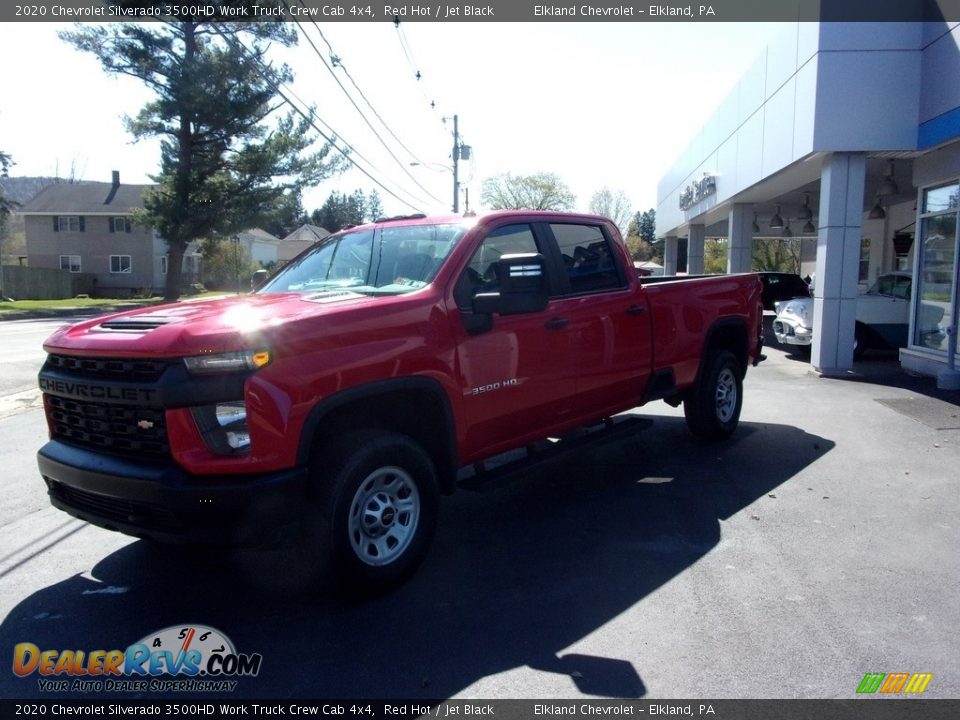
{"x": 518, "y": 372}
{"x": 607, "y": 317}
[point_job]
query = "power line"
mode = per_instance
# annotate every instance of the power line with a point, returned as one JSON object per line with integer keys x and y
{"x": 408, "y": 53}
{"x": 386, "y": 146}
{"x": 337, "y": 61}
{"x": 244, "y": 51}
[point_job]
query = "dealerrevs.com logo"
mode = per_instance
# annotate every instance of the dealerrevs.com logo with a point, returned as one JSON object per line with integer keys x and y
{"x": 180, "y": 658}
{"x": 894, "y": 683}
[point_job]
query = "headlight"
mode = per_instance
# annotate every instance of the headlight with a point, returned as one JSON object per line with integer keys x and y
{"x": 227, "y": 362}
{"x": 797, "y": 309}
{"x": 224, "y": 427}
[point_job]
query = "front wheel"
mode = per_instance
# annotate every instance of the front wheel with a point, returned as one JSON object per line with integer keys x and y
{"x": 377, "y": 503}
{"x": 712, "y": 407}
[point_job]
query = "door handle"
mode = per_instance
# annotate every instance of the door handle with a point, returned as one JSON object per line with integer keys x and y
{"x": 636, "y": 310}
{"x": 556, "y": 323}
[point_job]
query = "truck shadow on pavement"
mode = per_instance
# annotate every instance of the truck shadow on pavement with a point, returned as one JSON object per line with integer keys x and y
{"x": 518, "y": 572}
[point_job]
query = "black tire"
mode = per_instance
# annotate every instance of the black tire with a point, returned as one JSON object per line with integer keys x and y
{"x": 376, "y": 502}
{"x": 712, "y": 407}
{"x": 859, "y": 341}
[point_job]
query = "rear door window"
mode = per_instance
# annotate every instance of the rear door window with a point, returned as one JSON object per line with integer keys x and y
{"x": 587, "y": 258}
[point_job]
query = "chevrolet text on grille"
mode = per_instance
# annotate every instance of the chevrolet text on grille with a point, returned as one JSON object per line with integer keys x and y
{"x": 95, "y": 392}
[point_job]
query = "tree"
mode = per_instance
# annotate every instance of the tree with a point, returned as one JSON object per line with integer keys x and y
{"x": 374, "y": 209}
{"x": 614, "y": 205}
{"x": 285, "y": 217}
{"x": 776, "y": 254}
{"x": 647, "y": 225}
{"x": 543, "y": 191}
{"x": 226, "y": 159}
{"x": 227, "y": 265}
{"x": 340, "y": 211}
{"x": 6, "y": 209}
{"x": 715, "y": 251}
{"x": 641, "y": 238}
{"x": 6, "y": 205}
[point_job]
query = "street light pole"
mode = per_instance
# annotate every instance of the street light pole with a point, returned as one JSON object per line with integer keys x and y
{"x": 456, "y": 160}
{"x": 236, "y": 259}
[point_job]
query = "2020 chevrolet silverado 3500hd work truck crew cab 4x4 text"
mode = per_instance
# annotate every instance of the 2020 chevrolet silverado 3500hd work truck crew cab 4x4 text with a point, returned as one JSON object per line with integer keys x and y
{"x": 348, "y": 392}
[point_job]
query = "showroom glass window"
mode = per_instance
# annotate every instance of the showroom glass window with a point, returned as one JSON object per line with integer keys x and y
{"x": 936, "y": 267}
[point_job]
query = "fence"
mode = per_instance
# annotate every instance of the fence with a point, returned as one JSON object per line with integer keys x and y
{"x": 28, "y": 283}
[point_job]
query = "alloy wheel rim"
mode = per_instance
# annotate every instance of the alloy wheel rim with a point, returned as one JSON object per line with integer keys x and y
{"x": 384, "y": 515}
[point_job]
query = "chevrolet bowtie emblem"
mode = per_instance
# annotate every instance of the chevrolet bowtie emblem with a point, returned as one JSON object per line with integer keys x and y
{"x": 144, "y": 424}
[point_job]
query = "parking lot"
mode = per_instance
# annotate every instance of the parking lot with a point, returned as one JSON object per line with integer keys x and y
{"x": 818, "y": 544}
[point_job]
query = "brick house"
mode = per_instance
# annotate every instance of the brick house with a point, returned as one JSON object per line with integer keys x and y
{"x": 87, "y": 228}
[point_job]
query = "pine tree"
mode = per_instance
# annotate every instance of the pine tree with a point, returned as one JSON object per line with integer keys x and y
{"x": 227, "y": 160}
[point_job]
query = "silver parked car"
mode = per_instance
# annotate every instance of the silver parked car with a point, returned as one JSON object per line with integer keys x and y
{"x": 883, "y": 316}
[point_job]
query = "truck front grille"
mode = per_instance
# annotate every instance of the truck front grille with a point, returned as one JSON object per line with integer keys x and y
{"x": 136, "y": 370}
{"x": 117, "y": 429}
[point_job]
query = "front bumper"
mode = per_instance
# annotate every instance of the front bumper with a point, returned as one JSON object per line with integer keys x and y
{"x": 162, "y": 502}
{"x": 789, "y": 332}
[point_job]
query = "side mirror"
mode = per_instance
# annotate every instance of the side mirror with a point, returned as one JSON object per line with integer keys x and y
{"x": 523, "y": 287}
{"x": 259, "y": 279}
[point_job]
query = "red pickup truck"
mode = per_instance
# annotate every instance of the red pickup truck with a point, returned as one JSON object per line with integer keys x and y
{"x": 344, "y": 396}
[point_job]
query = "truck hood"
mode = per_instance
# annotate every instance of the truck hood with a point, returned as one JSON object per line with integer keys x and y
{"x": 207, "y": 326}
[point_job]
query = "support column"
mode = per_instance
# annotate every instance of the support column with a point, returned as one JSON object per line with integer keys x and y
{"x": 740, "y": 232}
{"x": 838, "y": 262}
{"x": 695, "y": 249}
{"x": 670, "y": 255}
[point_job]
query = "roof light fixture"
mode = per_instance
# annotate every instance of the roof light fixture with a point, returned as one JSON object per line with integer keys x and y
{"x": 889, "y": 185}
{"x": 776, "y": 221}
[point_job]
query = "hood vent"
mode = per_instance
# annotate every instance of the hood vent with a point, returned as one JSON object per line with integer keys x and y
{"x": 329, "y": 296}
{"x": 135, "y": 324}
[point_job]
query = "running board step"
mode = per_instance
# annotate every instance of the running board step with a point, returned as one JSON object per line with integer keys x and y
{"x": 550, "y": 451}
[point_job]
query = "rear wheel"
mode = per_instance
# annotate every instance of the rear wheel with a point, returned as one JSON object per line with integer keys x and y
{"x": 376, "y": 508}
{"x": 712, "y": 407}
{"x": 859, "y": 341}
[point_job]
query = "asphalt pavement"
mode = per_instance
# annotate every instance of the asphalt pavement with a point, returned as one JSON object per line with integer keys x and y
{"x": 818, "y": 544}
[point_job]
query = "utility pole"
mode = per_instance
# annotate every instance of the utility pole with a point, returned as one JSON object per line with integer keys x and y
{"x": 456, "y": 160}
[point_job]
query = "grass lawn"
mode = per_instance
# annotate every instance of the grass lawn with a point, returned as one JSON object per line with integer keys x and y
{"x": 53, "y": 308}
{"x": 87, "y": 306}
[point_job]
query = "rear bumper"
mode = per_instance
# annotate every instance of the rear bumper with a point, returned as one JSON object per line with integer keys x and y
{"x": 163, "y": 502}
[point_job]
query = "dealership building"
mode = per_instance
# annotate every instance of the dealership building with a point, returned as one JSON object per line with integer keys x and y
{"x": 846, "y": 135}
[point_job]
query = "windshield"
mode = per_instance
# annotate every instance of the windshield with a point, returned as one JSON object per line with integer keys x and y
{"x": 897, "y": 286}
{"x": 378, "y": 261}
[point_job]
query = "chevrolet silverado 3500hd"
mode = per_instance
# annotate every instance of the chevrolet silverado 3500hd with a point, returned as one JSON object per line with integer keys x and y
{"x": 346, "y": 394}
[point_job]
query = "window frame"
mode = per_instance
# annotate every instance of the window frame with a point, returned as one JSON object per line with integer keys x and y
{"x": 925, "y": 214}
{"x": 70, "y": 263}
{"x": 121, "y": 271}
{"x": 69, "y": 222}
{"x": 125, "y": 226}
{"x": 560, "y": 268}
{"x": 539, "y": 242}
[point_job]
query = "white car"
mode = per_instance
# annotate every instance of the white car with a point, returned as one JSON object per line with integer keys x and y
{"x": 883, "y": 316}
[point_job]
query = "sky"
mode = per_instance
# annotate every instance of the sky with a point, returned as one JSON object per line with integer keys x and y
{"x": 598, "y": 104}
